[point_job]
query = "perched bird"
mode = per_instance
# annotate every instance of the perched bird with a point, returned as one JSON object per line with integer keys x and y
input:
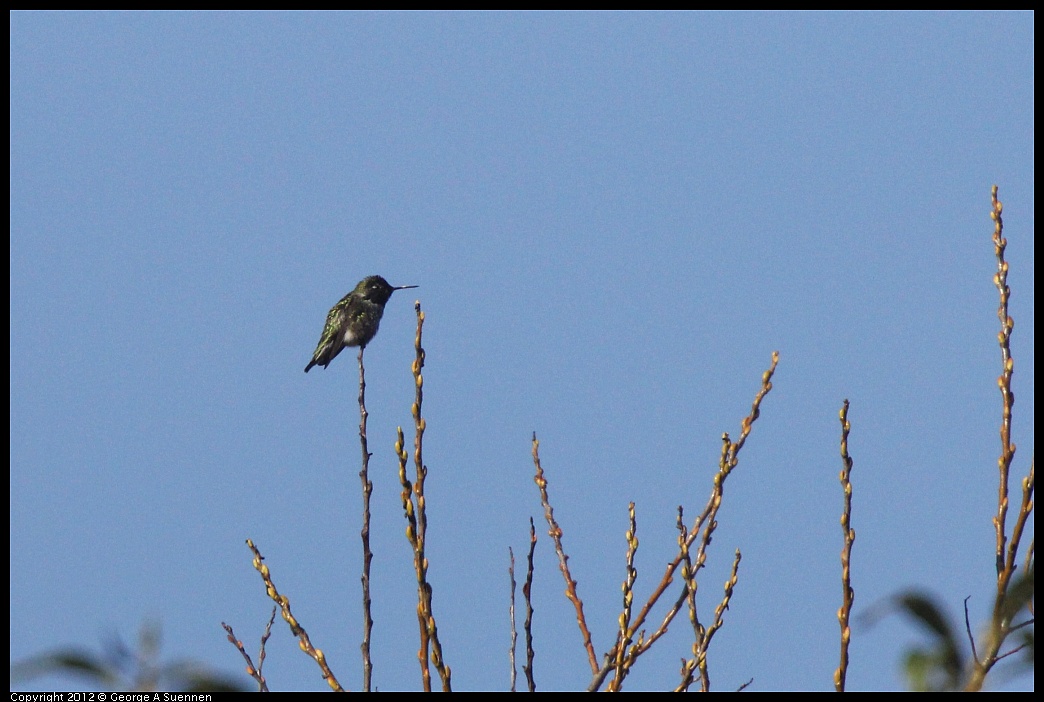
{"x": 354, "y": 320}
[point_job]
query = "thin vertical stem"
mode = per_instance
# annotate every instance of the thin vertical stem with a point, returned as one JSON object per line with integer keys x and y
{"x": 511, "y": 612}
{"x": 847, "y": 593}
{"x": 367, "y": 489}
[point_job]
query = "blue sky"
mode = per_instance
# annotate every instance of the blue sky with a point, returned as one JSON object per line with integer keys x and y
{"x": 614, "y": 220}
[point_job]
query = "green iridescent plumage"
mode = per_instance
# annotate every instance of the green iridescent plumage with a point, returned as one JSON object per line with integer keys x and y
{"x": 354, "y": 320}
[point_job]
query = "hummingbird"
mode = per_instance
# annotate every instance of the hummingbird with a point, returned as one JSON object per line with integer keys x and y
{"x": 354, "y": 320}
